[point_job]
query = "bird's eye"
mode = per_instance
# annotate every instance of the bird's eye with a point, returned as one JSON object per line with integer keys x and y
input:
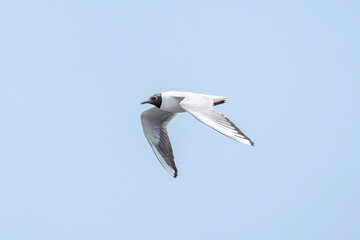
{"x": 154, "y": 98}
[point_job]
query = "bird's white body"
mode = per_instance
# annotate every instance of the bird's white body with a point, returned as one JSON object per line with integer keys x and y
{"x": 171, "y": 100}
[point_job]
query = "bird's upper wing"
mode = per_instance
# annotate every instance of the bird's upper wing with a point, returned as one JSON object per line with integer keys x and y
{"x": 154, "y": 122}
{"x": 201, "y": 107}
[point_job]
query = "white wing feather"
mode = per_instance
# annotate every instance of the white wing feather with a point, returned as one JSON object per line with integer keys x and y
{"x": 201, "y": 107}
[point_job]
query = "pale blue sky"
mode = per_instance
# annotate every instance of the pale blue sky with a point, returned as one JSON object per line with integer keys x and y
{"x": 74, "y": 163}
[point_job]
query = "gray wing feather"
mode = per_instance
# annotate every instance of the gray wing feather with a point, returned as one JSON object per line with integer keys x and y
{"x": 154, "y": 122}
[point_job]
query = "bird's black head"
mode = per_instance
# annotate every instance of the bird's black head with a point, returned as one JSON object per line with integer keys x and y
{"x": 154, "y": 100}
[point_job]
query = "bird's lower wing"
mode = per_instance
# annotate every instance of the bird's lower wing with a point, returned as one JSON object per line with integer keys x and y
{"x": 201, "y": 107}
{"x": 154, "y": 122}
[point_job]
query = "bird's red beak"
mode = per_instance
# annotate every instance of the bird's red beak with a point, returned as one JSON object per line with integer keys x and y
{"x": 144, "y": 102}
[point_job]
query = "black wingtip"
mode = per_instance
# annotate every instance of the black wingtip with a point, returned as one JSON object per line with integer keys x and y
{"x": 252, "y": 143}
{"x": 175, "y": 174}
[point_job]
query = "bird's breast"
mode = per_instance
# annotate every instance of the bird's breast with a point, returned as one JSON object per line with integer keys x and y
{"x": 171, "y": 104}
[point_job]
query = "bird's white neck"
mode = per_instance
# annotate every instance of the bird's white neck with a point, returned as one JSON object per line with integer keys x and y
{"x": 171, "y": 103}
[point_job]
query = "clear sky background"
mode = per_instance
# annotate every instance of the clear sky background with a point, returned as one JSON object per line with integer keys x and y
{"x": 74, "y": 163}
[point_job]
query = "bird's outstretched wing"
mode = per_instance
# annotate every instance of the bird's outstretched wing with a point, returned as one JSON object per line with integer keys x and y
{"x": 201, "y": 107}
{"x": 154, "y": 122}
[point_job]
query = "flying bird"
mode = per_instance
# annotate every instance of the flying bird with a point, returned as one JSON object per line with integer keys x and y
{"x": 167, "y": 105}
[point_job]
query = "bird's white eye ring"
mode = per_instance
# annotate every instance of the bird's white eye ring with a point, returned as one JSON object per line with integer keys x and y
{"x": 154, "y": 98}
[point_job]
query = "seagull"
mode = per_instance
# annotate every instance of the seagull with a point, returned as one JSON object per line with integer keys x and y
{"x": 167, "y": 105}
